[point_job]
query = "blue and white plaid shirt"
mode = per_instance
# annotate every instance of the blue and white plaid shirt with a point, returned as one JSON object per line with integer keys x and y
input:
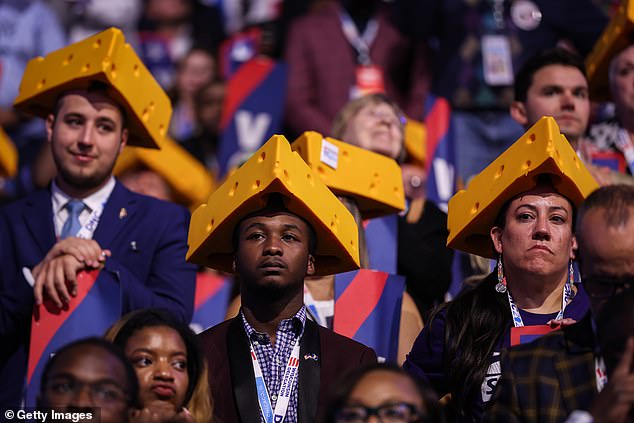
{"x": 273, "y": 359}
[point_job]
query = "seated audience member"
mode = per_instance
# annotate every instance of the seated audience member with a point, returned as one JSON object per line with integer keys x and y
{"x": 558, "y": 377}
{"x": 196, "y": 70}
{"x": 611, "y": 79}
{"x": 92, "y": 376}
{"x": 170, "y": 366}
{"x": 356, "y": 172}
{"x": 278, "y": 223}
{"x": 525, "y": 220}
{"x": 86, "y": 220}
{"x": 375, "y": 123}
{"x": 384, "y": 391}
{"x": 553, "y": 83}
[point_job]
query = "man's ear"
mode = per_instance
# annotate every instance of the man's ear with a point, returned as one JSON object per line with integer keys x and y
{"x": 518, "y": 112}
{"x": 310, "y": 266}
{"x": 496, "y": 237}
{"x": 124, "y": 139}
{"x": 50, "y": 122}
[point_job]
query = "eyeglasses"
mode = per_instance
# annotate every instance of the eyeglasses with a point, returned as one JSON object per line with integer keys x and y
{"x": 101, "y": 393}
{"x": 605, "y": 286}
{"x": 401, "y": 412}
{"x": 390, "y": 118}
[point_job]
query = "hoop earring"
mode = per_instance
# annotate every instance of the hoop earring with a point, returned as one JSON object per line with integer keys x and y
{"x": 501, "y": 285}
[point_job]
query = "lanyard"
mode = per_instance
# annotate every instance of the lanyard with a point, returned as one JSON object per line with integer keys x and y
{"x": 286, "y": 387}
{"x": 361, "y": 43}
{"x": 86, "y": 231}
{"x": 312, "y": 309}
{"x": 517, "y": 318}
{"x": 498, "y": 14}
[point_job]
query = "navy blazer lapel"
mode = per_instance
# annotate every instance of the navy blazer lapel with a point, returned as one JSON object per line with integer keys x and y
{"x": 38, "y": 217}
{"x": 309, "y": 373}
{"x": 119, "y": 209}
{"x": 241, "y": 369}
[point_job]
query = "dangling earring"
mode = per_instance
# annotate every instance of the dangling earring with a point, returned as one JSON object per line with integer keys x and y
{"x": 501, "y": 285}
{"x": 571, "y": 281}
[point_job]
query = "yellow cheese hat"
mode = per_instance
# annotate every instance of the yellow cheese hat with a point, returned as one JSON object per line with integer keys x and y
{"x": 541, "y": 150}
{"x": 105, "y": 58}
{"x": 372, "y": 179}
{"x": 186, "y": 176}
{"x": 8, "y": 156}
{"x": 274, "y": 168}
{"x": 615, "y": 37}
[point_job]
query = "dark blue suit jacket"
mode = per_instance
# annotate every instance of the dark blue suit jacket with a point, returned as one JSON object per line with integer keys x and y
{"x": 148, "y": 243}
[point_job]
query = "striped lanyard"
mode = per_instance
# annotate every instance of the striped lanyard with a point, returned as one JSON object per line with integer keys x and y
{"x": 515, "y": 311}
{"x": 286, "y": 387}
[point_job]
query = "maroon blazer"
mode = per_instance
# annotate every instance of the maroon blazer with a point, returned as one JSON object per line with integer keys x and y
{"x": 231, "y": 379}
{"x": 322, "y": 69}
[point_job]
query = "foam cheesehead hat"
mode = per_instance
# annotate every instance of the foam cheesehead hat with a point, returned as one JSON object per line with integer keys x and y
{"x": 274, "y": 168}
{"x": 107, "y": 59}
{"x": 8, "y": 156}
{"x": 373, "y": 180}
{"x": 542, "y": 150}
{"x": 616, "y": 36}
{"x": 186, "y": 176}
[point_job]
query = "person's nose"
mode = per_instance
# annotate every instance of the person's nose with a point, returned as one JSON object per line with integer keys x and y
{"x": 273, "y": 247}
{"x": 541, "y": 230}
{"x": 567, "y": 100}
{"x": 163, "y": 371}
{"x": 83, "y": 397}
{"x": 86, "y": 136}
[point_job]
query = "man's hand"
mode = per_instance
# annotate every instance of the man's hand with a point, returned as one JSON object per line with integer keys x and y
{"x": 56, "y": 274}
{"x": 615, "y": 402}
{"x": 86, "y": 251}
{"x": 57, "y": 278}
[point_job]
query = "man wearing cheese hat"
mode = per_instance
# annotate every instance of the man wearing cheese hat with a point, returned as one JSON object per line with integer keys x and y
{"x": 272, "y": 223}
{"x": 520, "y": 209}
{"x": 96, "y": 97}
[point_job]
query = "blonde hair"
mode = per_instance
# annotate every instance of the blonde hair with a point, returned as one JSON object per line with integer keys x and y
{"x": 350, "y": 110}
{"x": 200, "y": 404}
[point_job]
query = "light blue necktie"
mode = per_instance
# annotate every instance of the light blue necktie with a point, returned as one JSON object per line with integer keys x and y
{"x": 72, "y": 225}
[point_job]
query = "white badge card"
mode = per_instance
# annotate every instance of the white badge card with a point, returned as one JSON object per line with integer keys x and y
{"x": 496, "y": 60}
{"x": 329, "y": 154}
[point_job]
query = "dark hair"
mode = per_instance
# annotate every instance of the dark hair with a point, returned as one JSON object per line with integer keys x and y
{"x": 131, "y": 378}
{"x": 554, "y": 56}
{"x": 95, "y": 87}
{"x": 476, "y": 321}
{"x": 275, "y": 202}
{"x": 340, "y": 394}
{"x": 141, "y": 319}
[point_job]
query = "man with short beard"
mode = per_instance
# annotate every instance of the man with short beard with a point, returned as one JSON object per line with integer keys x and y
{"x": 86, "y": 220}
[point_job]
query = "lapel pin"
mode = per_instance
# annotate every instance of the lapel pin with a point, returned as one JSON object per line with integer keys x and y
{"x": 311, "y": 356}
{"x": 133, "y": 245}
{"x": 123, "y": 213}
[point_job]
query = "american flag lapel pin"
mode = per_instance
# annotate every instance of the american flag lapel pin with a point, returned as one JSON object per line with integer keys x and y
{"x": 123, "y": 213}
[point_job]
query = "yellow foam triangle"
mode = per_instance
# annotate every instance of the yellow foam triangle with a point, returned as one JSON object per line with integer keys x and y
{"x": 616, "y": 36}
{"x": 541, "y": 150}
{"x": 8, "y": 156}
{"x": 104, "y": 57}
{"x": 373, "y": 180}
{"x": 274, "y": 168}
{"x": 187, "y": 177}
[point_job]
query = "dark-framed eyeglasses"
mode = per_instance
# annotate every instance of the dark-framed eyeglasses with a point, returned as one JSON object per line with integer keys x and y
{"x": 400, "y": 412}
{"x": 600, "y": 286}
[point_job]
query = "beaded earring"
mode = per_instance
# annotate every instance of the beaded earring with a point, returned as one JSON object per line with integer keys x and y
{"x": 501, "y": 285}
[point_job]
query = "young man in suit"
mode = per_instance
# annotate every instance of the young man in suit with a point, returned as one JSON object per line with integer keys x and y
{"x": 558, "y": 377}
{"x": 270, "y": 362}
{"x": 86, "y": 220}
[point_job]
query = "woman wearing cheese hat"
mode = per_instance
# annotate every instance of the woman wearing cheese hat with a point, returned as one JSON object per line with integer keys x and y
{"x": 520, "y": 211}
